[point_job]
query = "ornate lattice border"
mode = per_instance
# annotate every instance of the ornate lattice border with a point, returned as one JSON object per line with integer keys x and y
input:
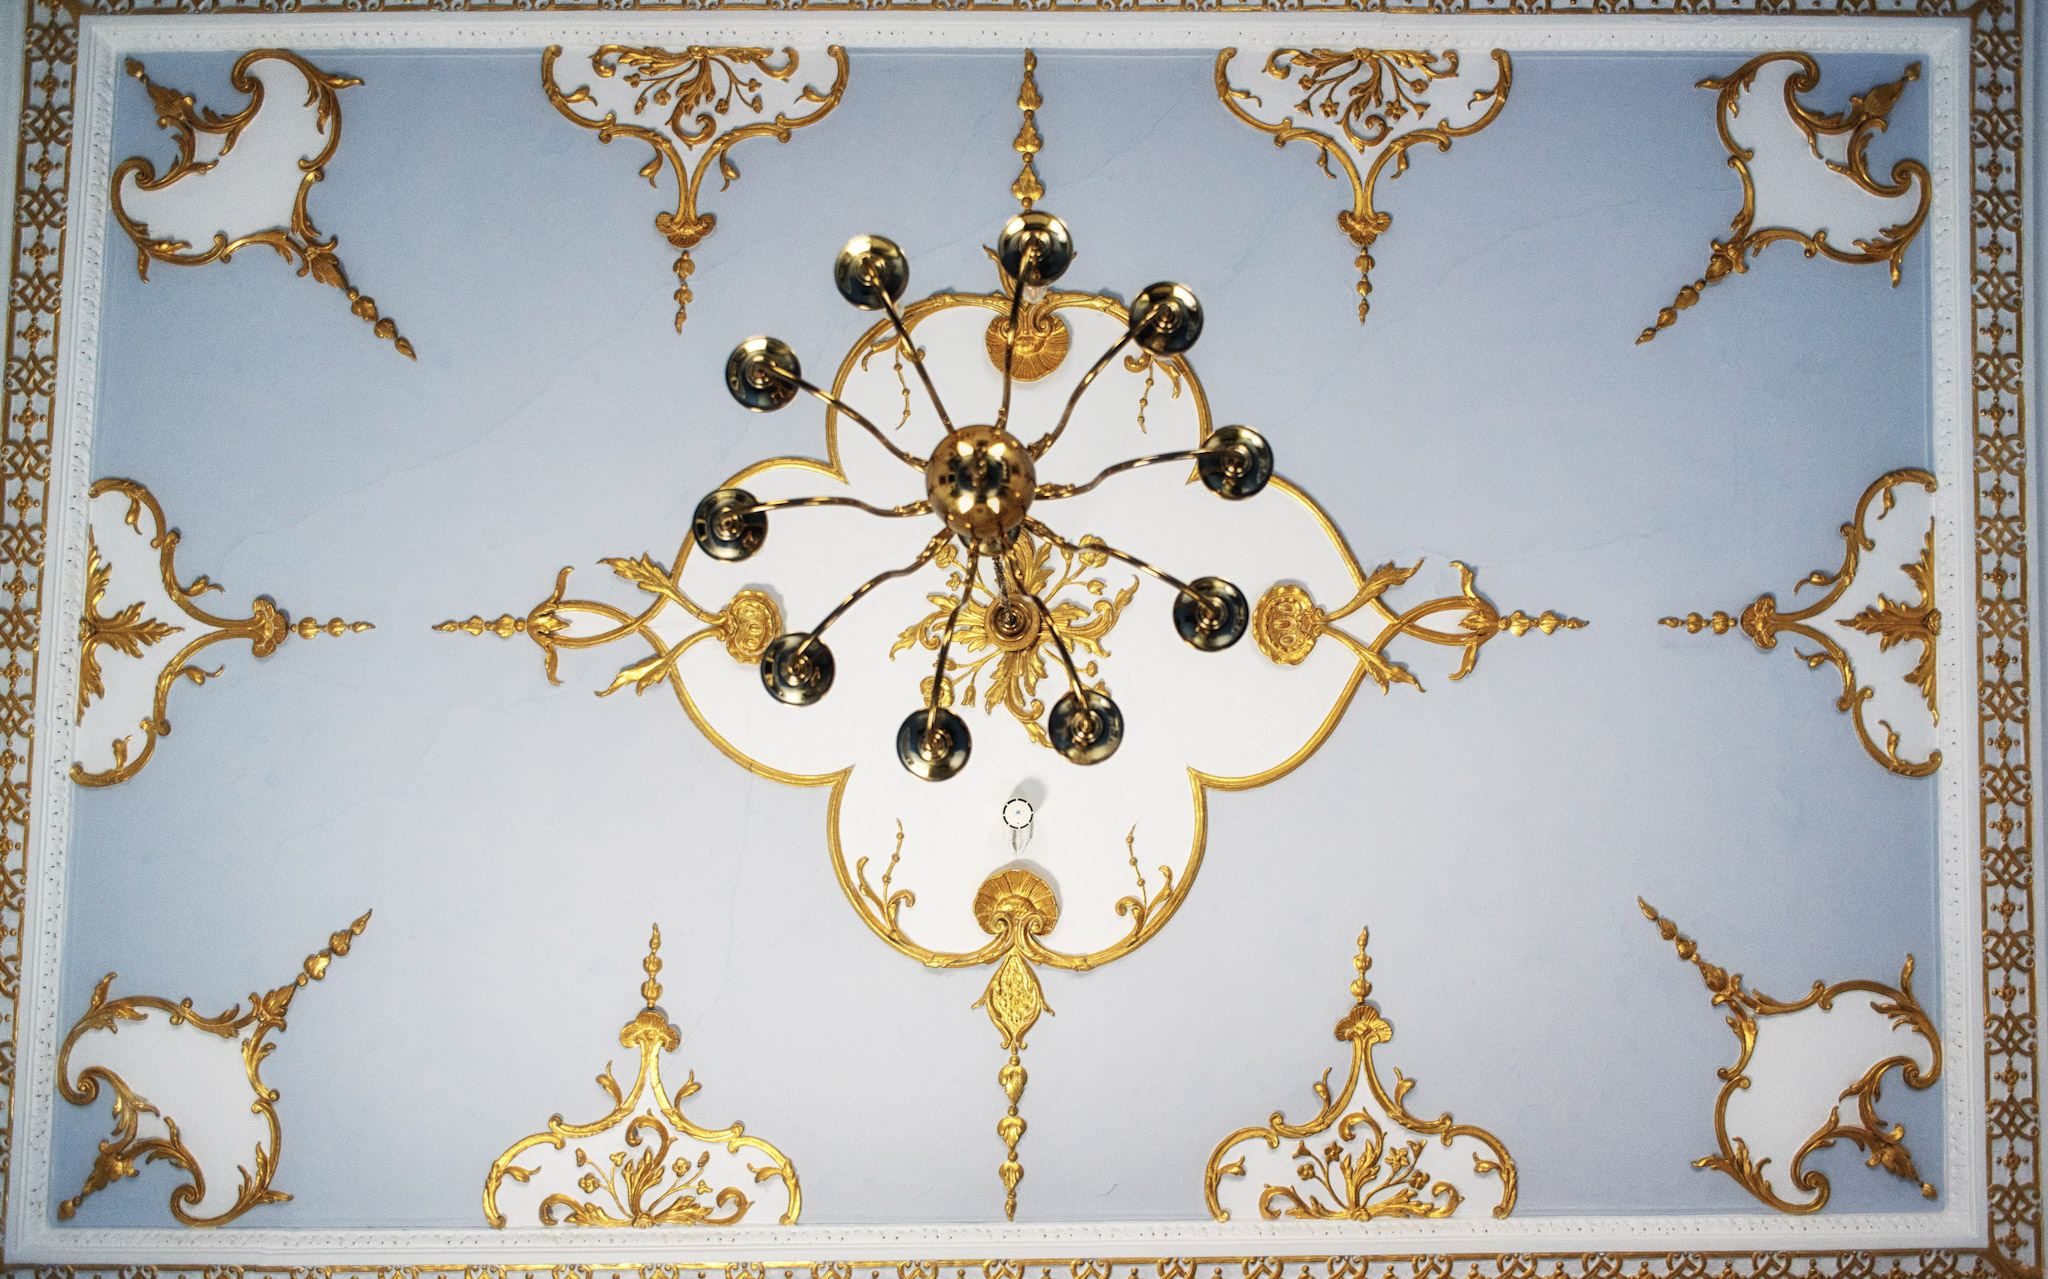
{"x": 2005, "y": 698}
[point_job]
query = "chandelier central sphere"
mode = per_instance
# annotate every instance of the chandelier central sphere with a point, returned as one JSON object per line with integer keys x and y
{"x": 981, "y": 483}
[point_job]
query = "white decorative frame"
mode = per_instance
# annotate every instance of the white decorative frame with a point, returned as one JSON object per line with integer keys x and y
{"x": 76, "y": 85}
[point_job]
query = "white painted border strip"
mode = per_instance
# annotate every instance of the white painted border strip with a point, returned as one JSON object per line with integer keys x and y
{"x": 104, "y": 41}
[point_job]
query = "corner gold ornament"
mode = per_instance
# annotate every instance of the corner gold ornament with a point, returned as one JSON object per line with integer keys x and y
{"x": 638, "y": 1184}
{"x": 1889, "y": 621}
{"x": 714, "y": 98}
{"x": 1840, "y": 143}
{"x": 120, "y": 1153}
{"x": 297, "y": 240}
{"x": 134, "y": 631}
{"x": 1379, "y": 1164}
{"x": 1372, "y": 101}
{"x": 1893, "y": 1009}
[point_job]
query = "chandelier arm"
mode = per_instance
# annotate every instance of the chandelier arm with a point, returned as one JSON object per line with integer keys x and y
{"x": 1045, "y": 442}
{"x": 1059, "y": 642}
{"x": 916, "y": 357}
{"x": 1010, "y": 341}
{"x": 914, "y": 463}
{"x": 931, "y": 549}
{"x": 1053, "y": 492}
{"x": 921, "y": 506}
{"x": 931, "y": 715}
{"x": 1208, "y": 609}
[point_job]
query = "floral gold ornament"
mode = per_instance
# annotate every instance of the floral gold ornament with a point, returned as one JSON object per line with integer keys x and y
{"x": 1287, "y": 624}
{"x": 120, "y": 1154}
{"x": 706, "y": 97}
{"x": 1372, "y": 103}
{"x": 636, "y": 1182}
{"x": 1839, "y": 142}
{"x": 1892, "y": 1009}
{"x": 298, "y": 241}
{"x": 1380, "y": 1161}
{"x": 133, "y": 632}
{"x": 1011, "y": 643}
{"x": 1011, "y": 905}
{"x": 1890, "y": 622}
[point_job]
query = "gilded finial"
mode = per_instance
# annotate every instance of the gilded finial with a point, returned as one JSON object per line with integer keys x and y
{"x": 1716, "y": 978}
{"x": 650, "y": 990}
{"x": 1027, "y": 188}
{"x": 1360, "y": 987}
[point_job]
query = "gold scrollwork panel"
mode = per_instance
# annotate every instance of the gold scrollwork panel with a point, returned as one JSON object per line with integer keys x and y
{"x": 1371, "y": 103}
{"x": 120, "y": 1154}
{"x": 702, "y": 96}
{"x": 299, "y": 240}
{"x": 1377, "y": 1163}
{"x": 1883, "y": 1143}
{"x": 1887, "y": 621}
{"x": 650, "y": 1177}
{"x": 1868, "y": 114}
{"x": 131, "y": 632}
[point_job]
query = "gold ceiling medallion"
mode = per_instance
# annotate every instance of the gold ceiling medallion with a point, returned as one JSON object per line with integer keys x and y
{"x": 1287, "y": 623}
{"x": 637, "y": 1182}
{"x": 1374, "y": 99}
{"x": 1009, "y": 611}
{"x": 1837, "y": 141}
{"x": 1042, "y": 337}
{"x": 130, "y": 632}
{"x": 299, "y": 241}
{"x": 1013, "y": 644}
{"x": 699, "y": 89}
{"x": 120, "y": 1153}
{"x": 1378, "y": 1164}
{"x": 1887, "y": 620}
{"x": 1884, "y": 1144}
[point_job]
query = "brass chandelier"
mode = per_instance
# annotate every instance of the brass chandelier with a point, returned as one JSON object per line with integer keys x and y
{"x": 981, "y": 483}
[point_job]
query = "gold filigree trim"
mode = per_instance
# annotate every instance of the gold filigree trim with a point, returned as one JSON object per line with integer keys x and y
{"x": 1286, "y": 623}
{"x": 119, "y": 1154}
{"x": 1889, "y": 621}
{"x": 650, "y": 1189}
{"x": 1364, "y": 1171}
{"x": 126, "y": 632}
{"x": 1370, "y": 96}
{"x": 1884, "y": 1144}
{"x": 1868, "y": 114}
{"x": 1010, "y": 643}
{"x": 699, "y": 85}
{"x": 298, "y": 243}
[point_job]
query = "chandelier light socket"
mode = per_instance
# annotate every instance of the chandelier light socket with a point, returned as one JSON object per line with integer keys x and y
{"x": 1165, "y": 318}
{"x": 762, "y": 374}
{"x": 1044, "y": 232}
{"x": 1086, "y": 734}
{"x": 1235, "y": 463}
{"x": 1212, "y": 615}
{"x": 797, "y": 678}
{"x": 870, "y": 270}
{"x": 726, "y": 528}
{"x": 938, "y": 754}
